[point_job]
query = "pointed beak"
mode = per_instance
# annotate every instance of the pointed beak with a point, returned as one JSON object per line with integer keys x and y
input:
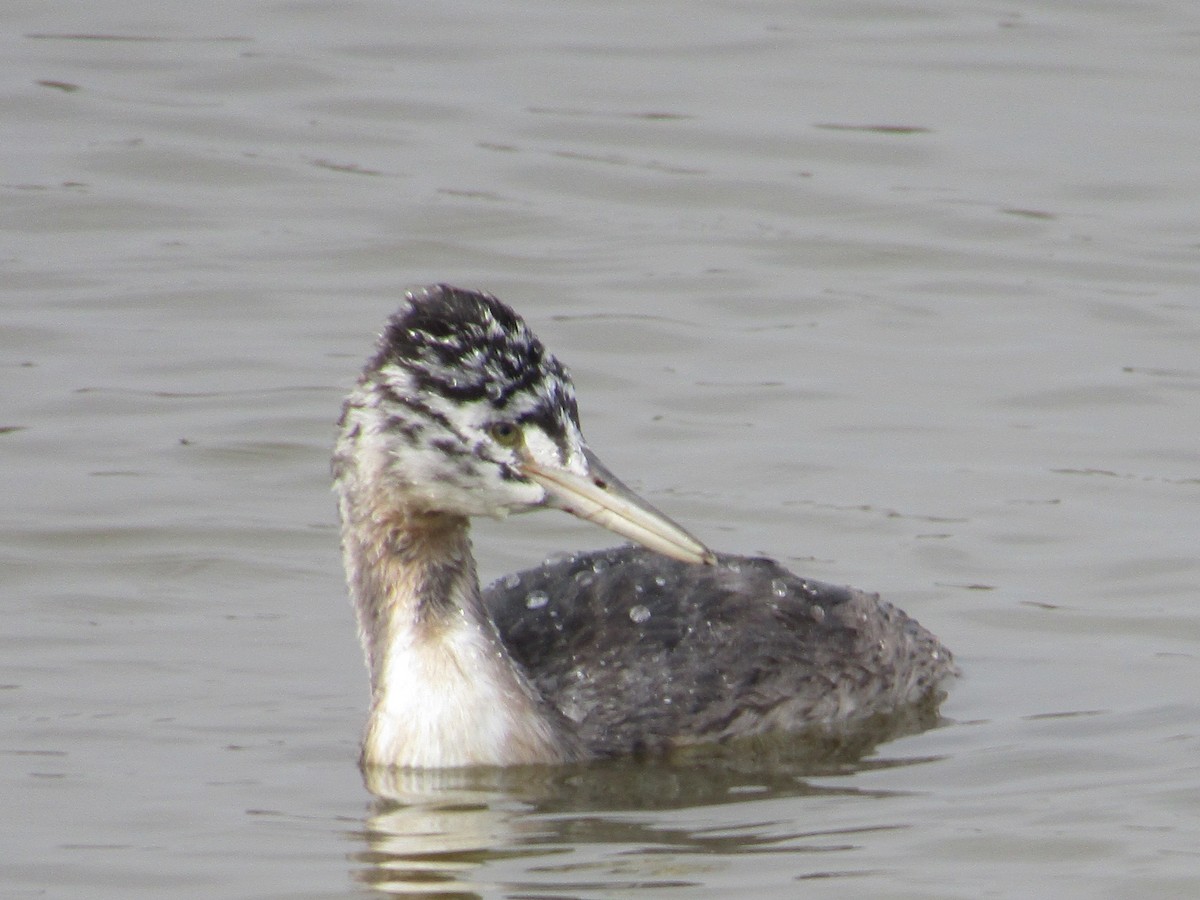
{"x": 601, "y": 497}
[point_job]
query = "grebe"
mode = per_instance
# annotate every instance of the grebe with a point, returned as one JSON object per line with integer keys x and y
{"x": 461, "y": 412}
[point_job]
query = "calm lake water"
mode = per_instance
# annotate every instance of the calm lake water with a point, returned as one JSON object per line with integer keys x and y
{"x": 904, "y": 294}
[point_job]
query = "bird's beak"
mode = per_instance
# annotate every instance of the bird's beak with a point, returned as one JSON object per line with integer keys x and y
{"x": 599, "y": 496}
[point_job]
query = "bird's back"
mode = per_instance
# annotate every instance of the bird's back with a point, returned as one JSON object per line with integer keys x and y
{"x": 643, "y": 653}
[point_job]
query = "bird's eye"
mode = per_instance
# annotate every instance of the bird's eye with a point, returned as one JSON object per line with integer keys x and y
{"x": 506, "y": 434}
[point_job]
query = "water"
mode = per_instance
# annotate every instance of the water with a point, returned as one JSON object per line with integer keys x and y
{"x": 903, "y": 294}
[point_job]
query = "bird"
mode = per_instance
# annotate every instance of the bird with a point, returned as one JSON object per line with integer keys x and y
{"x": 643, "y": 649}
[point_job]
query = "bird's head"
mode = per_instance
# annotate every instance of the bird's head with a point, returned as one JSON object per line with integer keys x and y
{"x": 461, "y": 411}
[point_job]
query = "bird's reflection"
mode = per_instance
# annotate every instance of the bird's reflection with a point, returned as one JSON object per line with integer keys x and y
{"x": 472, "y": 832}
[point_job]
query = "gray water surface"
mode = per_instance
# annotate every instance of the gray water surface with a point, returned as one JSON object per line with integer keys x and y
{"x": 904, "y": 294}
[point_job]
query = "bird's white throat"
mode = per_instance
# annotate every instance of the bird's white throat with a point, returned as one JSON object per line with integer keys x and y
{"x": 445, "y": 691}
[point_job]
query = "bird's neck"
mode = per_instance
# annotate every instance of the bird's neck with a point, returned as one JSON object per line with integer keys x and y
{"x": 445, "y": 691}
